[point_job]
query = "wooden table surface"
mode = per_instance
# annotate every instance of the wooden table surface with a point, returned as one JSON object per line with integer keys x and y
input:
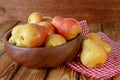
{"x": 9, "y": 70}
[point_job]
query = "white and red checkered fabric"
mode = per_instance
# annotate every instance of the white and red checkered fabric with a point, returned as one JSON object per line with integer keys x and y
{"x": 84, "y": 28}
{"x": 106, "y": 71}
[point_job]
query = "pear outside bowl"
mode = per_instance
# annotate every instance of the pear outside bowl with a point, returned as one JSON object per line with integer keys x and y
{"x": 43, "y": 57}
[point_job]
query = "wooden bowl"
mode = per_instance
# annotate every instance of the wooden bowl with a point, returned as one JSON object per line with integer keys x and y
{"x": 43, "y": 57}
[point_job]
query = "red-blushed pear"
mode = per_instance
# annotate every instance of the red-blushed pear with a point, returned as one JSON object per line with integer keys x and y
{"x": 71, "y": 28}
{"x": 54, "y": 40}
{"x": 67, "y": 27}
{"x": 57, "y": 21}
{"x": 49, "y": 26}
{"x": 35, "y": 17}
{"x": 33, "y": 35}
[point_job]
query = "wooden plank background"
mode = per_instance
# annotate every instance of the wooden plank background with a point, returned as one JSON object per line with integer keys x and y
{"x": 91, "y": 10}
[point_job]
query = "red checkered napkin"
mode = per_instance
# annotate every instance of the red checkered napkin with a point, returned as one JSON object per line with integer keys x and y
{"x": 106, "y": 71}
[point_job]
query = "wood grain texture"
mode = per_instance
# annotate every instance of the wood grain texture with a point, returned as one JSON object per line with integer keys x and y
{"x": 4, "y": 27}
{"x": 117, "y": 77}
{"x": 4, "y": 62}
{"x": 25, "y": 73}
{"x": 83, "y": 77}
{"x": 94, "y": 27}
{"x": 62, "y": 73}
{"x": 92, "y": 11}
{"x": 9, "y": 71}
{"x": 1, "y": 47}
{"x": 112, "y": 30}
{"x": 7, "y": 67}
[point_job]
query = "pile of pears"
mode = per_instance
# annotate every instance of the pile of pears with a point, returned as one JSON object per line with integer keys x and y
{"x": 94, "y": 51}
{"x": 44, "y": 31}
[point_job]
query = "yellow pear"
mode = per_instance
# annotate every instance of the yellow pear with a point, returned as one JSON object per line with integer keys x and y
{"x": 17, "y": 29}
{"x": 19, "y": 41}
{"x": 15, "y": 34}
{"x": 54, "y": 40}
{"x": 93, "y": 55}
{"x": 16, "y": 40}
{"x": 99, "y": 41}
{"x": 12, "y": 39}
{"x": 35, "y": 17}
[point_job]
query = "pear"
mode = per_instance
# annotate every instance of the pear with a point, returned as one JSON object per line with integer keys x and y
{"x": 17, "y": 29}
{"x": 99, "y": 41}
{"x": 93, "y": 55}
{"x": 12, "y": 39}
{"x": 35, "y": 17}
{"x": 16, "y": 40}
{"x": 15, "y": 34}
{"x": 54, "y": 40}
{"x": 33, "y": 35}
{"x": 19, "y": 40}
